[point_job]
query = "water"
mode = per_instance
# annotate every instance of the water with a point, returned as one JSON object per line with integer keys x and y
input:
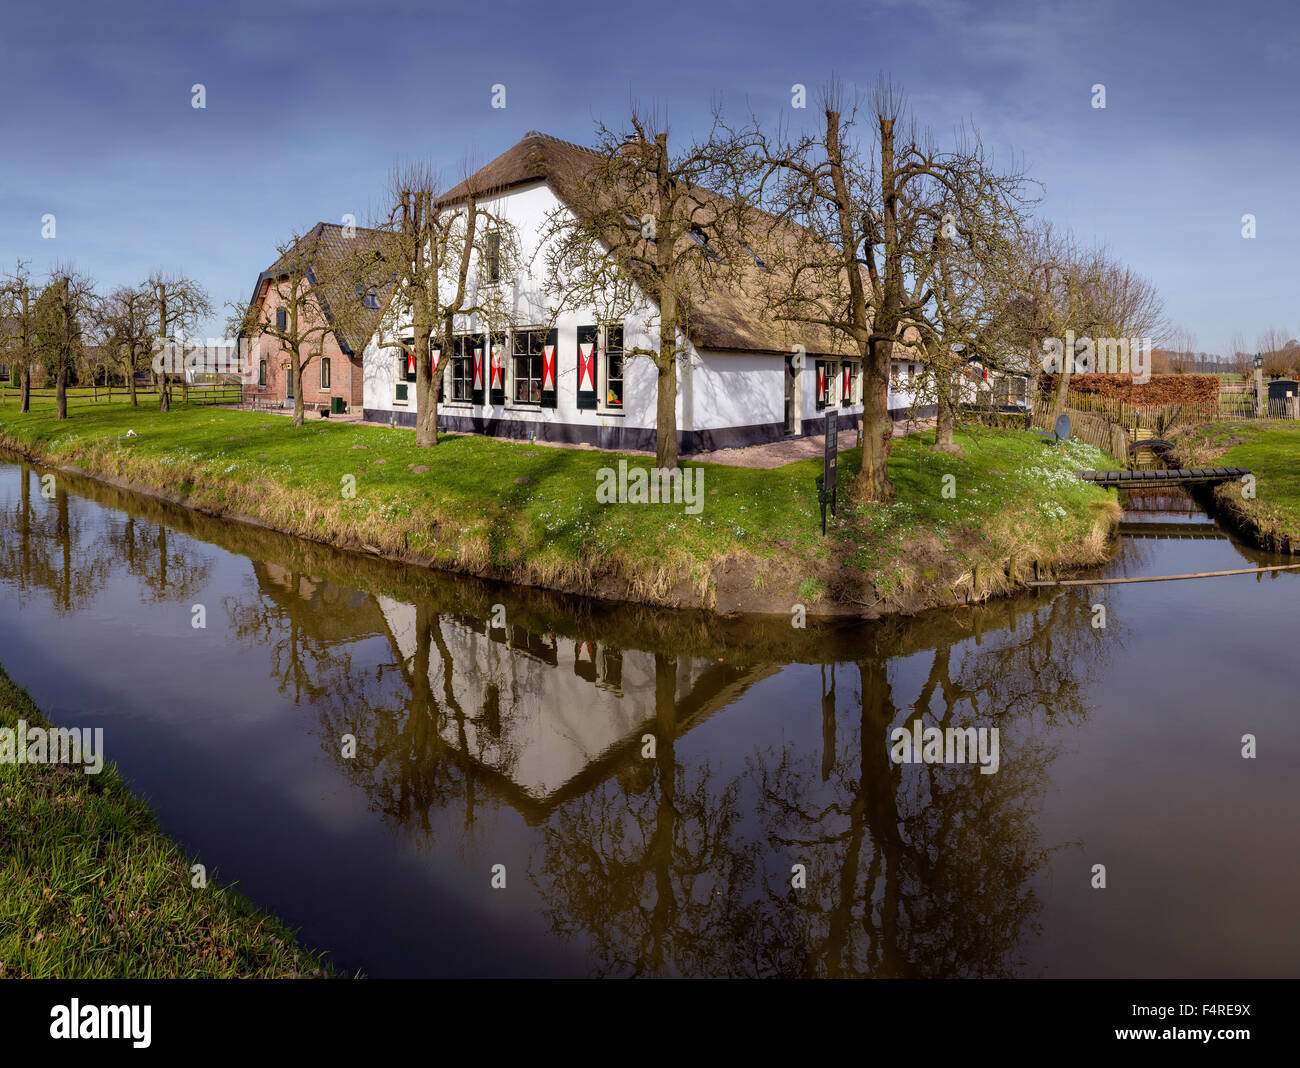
{"x": 516, "y": 735}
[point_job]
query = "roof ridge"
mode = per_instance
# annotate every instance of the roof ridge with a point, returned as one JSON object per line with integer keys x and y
{"x": 558, "y": 140}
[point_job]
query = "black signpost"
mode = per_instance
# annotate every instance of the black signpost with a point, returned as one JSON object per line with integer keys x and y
{"x": 828, "y": 469}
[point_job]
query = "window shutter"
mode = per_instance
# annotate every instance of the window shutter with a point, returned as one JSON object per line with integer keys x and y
{"x": 435, "y": 357}
{"x": 496, "y": 370}
{"x": 821, "y": 385}
{"x": 478, "y": 368}
{"x": 550, "y": 369}
{"x": 586, "y": 367}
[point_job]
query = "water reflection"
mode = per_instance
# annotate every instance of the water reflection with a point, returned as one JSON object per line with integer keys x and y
{"x": 655, "y": 777}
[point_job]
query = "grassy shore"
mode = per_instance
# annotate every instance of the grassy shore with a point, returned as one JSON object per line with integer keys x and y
{"x": 1270, "y": 449}
{"x": 90, "y": 888}
{"x": 529, "y": 513}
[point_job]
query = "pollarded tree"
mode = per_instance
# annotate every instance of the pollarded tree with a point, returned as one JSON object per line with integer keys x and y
{"x": 657, "y": 231}
{"x": 126, "y": 317}
{"x": 178, "y": 305}
{"x": 865, "y": 251}
{"x": 452, "y": 259}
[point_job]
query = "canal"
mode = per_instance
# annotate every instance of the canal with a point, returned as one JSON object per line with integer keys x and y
{"x": 365, "y": 748}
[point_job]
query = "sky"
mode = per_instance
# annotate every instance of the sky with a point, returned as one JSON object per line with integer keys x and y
{"x": 309, "y": 105}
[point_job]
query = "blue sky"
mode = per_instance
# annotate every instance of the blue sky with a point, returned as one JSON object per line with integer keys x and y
{"x": 309, "y": 105}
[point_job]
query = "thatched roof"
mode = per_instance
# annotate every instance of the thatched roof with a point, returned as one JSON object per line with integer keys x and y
{"x": 327, "y": 250}
{"x": 731, "y": 316}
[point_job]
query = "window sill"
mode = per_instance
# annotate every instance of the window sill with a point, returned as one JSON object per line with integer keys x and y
{"x": 618, "y": 413}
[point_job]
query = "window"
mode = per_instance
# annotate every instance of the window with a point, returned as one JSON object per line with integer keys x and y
{"x": 288, "y": 389}
{"x": 261, "y": 374}
{"x": 758, "y": 260}
{"x": 324, "y": 372}
{"x": 461, "y": 371}
{"x": 849, "y": 381}
{"x": 369, "y": 297}
{"x": 405, "y": 372}
{"x": 825, "y": 382}
{"x": 612, "y": 368}
{"x": 702, "y": 239}
{"x": 911, "y": 373}
{"x": 528, "y": 366}
{"x": 494, "y": 256}
{"x": 281, "y": 319}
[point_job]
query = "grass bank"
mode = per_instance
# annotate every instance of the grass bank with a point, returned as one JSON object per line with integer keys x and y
{"x": 1271, "y": 450}
{"x": 529, "y": 514}
{"x": 90, "y": 888}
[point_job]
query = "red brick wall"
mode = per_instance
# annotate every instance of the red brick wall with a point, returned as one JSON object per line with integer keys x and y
{"x": 346, "y": 379}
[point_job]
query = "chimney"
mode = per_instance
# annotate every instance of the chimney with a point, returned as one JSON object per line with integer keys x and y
{"x": 633, "y": 145}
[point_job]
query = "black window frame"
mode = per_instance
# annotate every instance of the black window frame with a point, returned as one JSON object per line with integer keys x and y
{"x": 281, "y": 319}
{"x": 325, "y": 373}
{"x": 261, "y": 374}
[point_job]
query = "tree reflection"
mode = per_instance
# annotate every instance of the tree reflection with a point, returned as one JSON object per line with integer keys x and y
{"x": 927, "y": 869}
{"x": 654, "y": 876}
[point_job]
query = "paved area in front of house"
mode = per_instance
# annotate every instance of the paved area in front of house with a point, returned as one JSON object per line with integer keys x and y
{"x": 789, "y": 450}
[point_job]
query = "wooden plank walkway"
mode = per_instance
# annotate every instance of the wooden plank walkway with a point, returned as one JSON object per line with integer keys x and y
{"x": 1163, "y": 476}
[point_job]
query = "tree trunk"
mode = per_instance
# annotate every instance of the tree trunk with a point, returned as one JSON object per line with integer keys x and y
{"x": 130, "y": 384}
{"x": 61, "y": 393}
{"x": 945, "y": 421}
{"x": 164, "y": 394}
{"x": 872, "y": 483}
{"x": 426, "y": 397}
{"x": 666, "y": 410}
{"x": 295, "y": 370}
{"x": 26, "y": 405}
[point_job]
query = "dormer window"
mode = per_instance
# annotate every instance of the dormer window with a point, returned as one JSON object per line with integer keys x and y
{"x": 702, "y": 239}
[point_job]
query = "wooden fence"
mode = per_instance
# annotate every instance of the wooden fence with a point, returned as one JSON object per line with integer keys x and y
{"x": 85, "y": 396}
{"x": 1096, "y": 429}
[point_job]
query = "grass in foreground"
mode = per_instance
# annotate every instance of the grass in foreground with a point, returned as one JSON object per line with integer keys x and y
{"x": 90, "y": 888}
{"x": 529, "y": 513}
{"x": 1270, "y": 448}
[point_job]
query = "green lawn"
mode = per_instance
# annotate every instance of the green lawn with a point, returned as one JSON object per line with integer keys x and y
{"x": 529, "y": 513}
{"x": 1271, "y": 450}
{"x": 90, "y": 888}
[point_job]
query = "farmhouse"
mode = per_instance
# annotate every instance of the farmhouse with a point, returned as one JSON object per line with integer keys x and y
{"x": 338, "y": 371}
{"x": 564, "y": 376}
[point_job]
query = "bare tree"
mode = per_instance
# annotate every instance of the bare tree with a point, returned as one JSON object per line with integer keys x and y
{"x": 653, "y": 224}
{"x": 1272, "y": 343}
{"x": 315, "y": 292}
{"x": 18, "y": 327}
{"x": 453, "y": 259}
{"x": 875, "y": 229}
{"x": 179, "y": 304}
{"x": 127, "y": 333}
